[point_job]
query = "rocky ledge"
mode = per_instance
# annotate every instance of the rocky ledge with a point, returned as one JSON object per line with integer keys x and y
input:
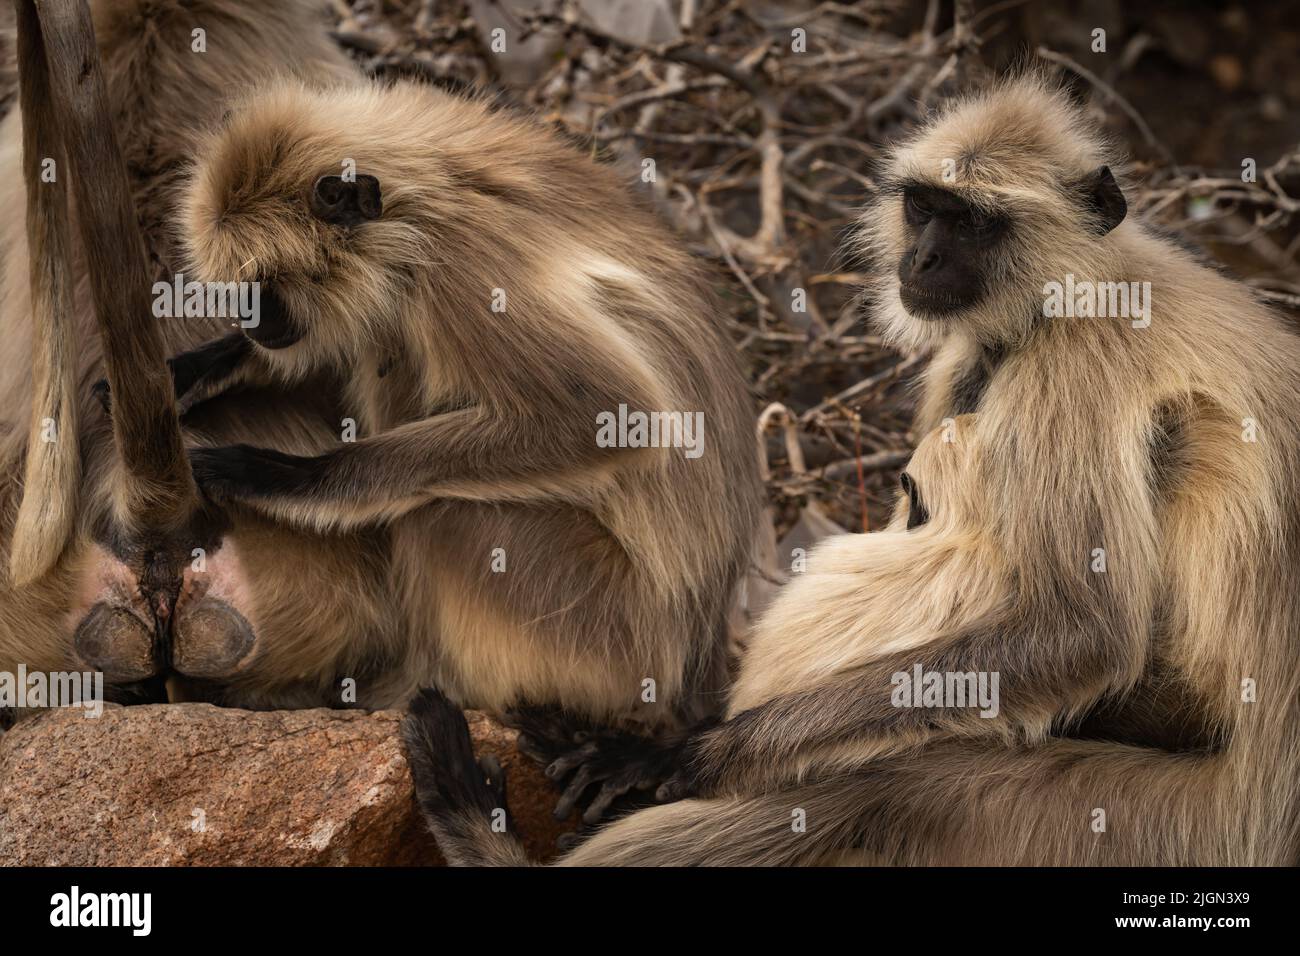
{"x": 197, "y": 785}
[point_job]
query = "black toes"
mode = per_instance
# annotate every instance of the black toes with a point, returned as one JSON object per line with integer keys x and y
{"x": 569, "y": 799}
{"x": 603, "y": 800}
{"x": 494, "y": 777}
{"x": 441, "y": 755}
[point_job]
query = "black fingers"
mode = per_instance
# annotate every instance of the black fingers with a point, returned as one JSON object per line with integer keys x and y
{"x": 235, "y": 472}
{"x": 210, "y": 363}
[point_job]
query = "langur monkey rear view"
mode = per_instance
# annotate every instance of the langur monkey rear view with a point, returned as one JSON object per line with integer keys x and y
{"x": 487, "y": 302}
{"x": 62, "y": 558}
{"x": 1125, "y": 565}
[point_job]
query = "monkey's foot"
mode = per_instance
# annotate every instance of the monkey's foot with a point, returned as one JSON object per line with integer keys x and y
{"x": 449, "y": 781}
{"x": 615, "y": 763}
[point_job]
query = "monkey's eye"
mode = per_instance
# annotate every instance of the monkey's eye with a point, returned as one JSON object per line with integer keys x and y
{"x": 916, "y": 209}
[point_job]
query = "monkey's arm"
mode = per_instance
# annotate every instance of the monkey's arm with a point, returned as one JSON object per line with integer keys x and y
{"x": 543, "y": 449}
{"x": 202, "y": 373}
{"x": 859, "y": 708}
{"x": 1053, "y": 649}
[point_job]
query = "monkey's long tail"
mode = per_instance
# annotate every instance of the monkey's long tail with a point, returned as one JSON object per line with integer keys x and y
{"x": 807, "y": 825}
{"x": 53, "y": 467}
{"x": 61, "y": 90}
{"x": 463, "y": 801}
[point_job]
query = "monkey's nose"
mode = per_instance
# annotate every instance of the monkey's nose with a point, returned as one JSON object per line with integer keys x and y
{"x": 925, "y": 261}
{"x": 346, "y": 202}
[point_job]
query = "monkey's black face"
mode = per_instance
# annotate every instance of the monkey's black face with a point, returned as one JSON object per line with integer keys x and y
{"x": 944, "y": 269}
{"x": 276, "y": 328}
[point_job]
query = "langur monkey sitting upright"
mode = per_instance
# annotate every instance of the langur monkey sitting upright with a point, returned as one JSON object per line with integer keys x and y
{"x": 553, "y": 487}
{"x": 551, "y": 427}
{"x": 1128, "y": 574}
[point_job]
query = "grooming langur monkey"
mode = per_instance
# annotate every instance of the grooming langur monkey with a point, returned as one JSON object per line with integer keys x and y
{"x": 488, "y": 296}
{"x": 479, "y": 532}
{"x": 1127, "y": 572}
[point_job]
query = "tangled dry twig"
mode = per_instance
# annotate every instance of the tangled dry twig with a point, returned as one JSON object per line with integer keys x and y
{"x": 761, "y": 128}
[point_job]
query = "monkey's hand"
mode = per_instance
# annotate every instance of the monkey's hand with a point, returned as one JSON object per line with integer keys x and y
{"x": 197, "y": 375}
{"x": 242, "y": 473}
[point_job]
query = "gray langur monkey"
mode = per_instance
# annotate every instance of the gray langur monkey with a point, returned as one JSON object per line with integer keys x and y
{"x": 547, "y": 504}
{"x": 1125, "y": 564}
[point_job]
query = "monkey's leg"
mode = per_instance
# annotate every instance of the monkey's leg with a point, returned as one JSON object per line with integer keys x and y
{"x": 971, "y": 803}
{"x": 200, "y": 374}
{"x": 1070, "y": 803}
{"x": 588, "y": 617}
{"x": 462, "y": 799}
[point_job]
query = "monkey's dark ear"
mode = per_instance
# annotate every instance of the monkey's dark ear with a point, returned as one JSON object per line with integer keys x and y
{"x": 1103, "y": 198}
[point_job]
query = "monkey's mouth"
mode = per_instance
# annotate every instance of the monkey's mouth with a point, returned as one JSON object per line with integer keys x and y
{"x": 281, "y": 341}
{"x": 275, "y": 328}
{"x": 928, "y": 303}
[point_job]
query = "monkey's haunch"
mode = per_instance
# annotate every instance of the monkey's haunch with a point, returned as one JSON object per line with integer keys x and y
{"x": 212, "y": 641}
{"x": 116, "y": 641}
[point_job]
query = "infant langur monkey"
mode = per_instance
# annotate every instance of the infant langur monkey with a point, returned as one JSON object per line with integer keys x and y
{"x": 549, "y": 423}
{"x": 851, "y": 606}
